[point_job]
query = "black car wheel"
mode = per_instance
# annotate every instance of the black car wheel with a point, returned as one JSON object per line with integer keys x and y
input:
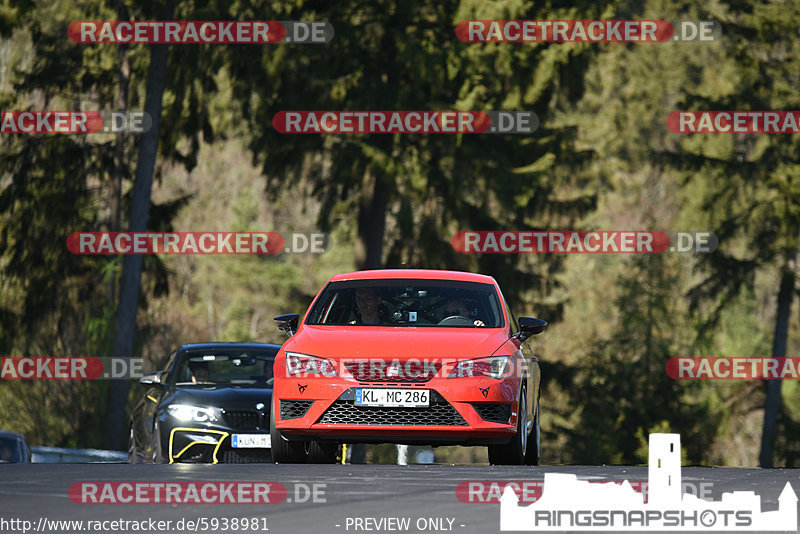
{"x": 157, "y": 457}
{"x": 322, "y": 452}
{"x": 534, "y": 440}
{"x": 132, "y": 458}
{"x": 283, "y": 450}
{"x": 513, "y": 453}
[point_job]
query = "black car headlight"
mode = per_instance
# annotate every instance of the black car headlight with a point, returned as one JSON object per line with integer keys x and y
{"x": 197, "y": 414}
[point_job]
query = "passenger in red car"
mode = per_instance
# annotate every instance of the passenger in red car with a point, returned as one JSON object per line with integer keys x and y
{"x": 456, "y": 307}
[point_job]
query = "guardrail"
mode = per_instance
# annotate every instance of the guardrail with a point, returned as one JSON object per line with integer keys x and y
{"x": 50, "y": 455}
{"x": 82, "y": 456}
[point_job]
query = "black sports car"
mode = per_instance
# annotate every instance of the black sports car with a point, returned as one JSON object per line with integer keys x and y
{"x": 13, "y": 448}
{"x": 211, "y": 404}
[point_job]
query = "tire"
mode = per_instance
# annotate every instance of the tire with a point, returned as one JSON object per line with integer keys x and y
{"x": 283, "y": 450}
{"x": 534, "y": 440}
{"x": 513, "y": 453}
{"x": 322, "y": 452}
{"x": 157, "y": 457}
{"x": 132, "y": 457}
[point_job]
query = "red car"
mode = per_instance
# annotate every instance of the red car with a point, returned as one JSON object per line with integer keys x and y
{"x": 407, "y": 356}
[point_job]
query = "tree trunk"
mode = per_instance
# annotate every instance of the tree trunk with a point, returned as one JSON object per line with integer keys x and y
{"x": 371, "y": 222}
{"x": 119, "y": 145}
{"x": 119, "y": 171}
{"x": 774, "y": 401}
{"x": 116, "y": 419}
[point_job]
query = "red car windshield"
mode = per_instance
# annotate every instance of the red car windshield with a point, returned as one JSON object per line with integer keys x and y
{"x": 408, "y": 302}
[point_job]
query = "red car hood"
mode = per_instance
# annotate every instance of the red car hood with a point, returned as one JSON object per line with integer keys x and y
{"x": 396, "y": 342}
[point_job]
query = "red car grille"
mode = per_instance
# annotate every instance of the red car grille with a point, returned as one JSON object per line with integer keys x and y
{"x": 494, "y": 412}
{"x": 411, "y": 371}
{"x": 293, "y": 409}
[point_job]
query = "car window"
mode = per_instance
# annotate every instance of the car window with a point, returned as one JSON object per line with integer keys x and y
{"x": 9, "y": 450}
{"x": 225, "y": 367}
{"x": 512, "y": 319}
{"x": 170, "y": 367}
{"x": 408, "y": 302}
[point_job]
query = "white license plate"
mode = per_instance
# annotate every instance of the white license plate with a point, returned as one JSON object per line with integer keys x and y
{"x": 393, "y": 398}
{"x": 251, "y": 441}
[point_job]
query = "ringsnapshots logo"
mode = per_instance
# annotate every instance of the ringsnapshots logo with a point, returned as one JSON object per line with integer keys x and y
{"x": 567, "y": 504}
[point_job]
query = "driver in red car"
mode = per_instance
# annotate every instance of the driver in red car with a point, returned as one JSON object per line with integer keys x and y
{"x": 369, "y": 303}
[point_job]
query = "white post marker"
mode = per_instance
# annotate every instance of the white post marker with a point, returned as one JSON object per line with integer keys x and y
{"x": 664, "y": 470}
{"x": 402, "y": 455}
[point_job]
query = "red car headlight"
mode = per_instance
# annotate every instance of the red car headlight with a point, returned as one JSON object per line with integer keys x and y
{"x": 303, "y": 364}
{"x": 492, "y": 367}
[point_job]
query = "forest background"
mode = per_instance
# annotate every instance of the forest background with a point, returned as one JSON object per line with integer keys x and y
{"x": 603, "y": 158}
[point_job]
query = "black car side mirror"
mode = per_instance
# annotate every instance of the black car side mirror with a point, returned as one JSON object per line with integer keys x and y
{"x": 288, "y": 323}
{"x": 530, "y": 326}
{"x": 153, "y": 379}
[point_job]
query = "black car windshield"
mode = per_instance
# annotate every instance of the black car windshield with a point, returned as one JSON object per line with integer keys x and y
{"x": 408, "y": 302}
{"x": 225, "y": 367}
{"x": 9, "y": 450}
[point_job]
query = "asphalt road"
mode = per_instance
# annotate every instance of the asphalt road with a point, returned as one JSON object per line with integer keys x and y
{"x": 424, "y": 495}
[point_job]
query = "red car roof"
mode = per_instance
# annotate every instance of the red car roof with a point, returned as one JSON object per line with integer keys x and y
{"x": 426, "y": 274}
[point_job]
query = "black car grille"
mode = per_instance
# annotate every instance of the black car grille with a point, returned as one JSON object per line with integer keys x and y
{"x": 243, "y": 419}
{"x": 292, "y": 409}
{"x": 252, "y": 456}
{"x": 494, "y": 412}
{"x": 345, "y": 412}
